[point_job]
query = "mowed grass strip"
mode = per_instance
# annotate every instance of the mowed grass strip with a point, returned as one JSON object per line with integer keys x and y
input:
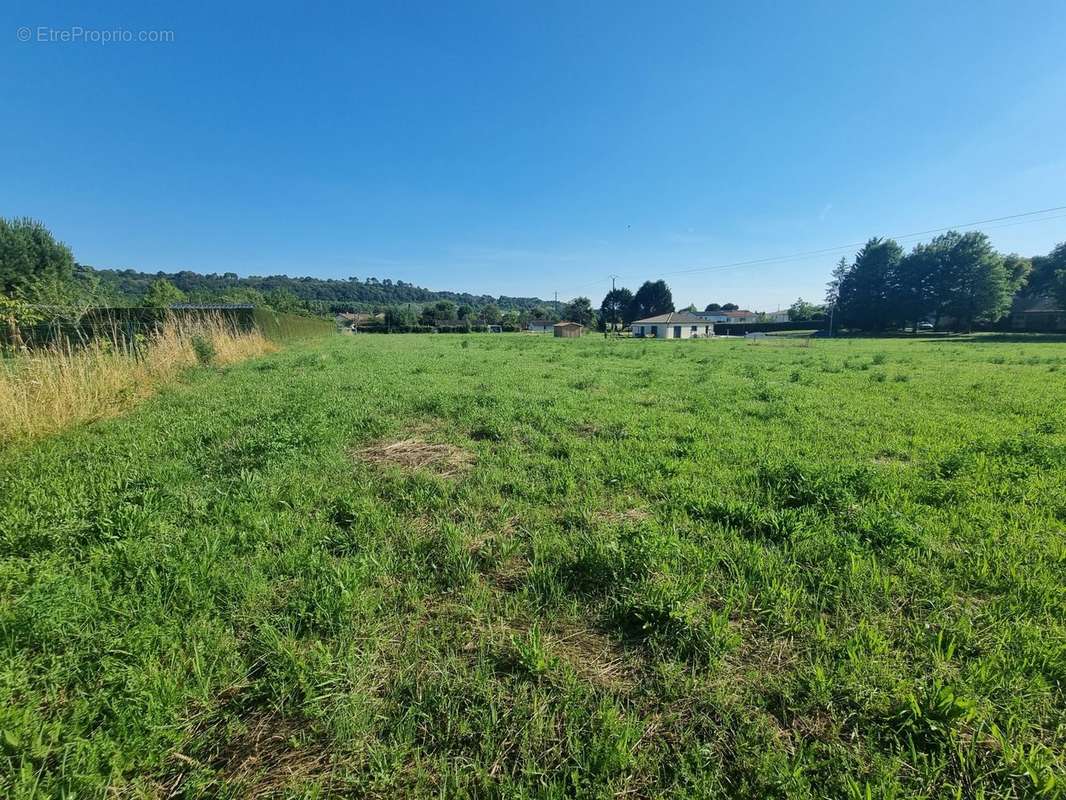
{"x": 510, "y": 566}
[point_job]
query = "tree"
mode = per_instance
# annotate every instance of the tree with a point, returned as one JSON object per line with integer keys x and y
{"x": 982, "y": 291}
{"x": 579, "y": 310}
{"x": 958, "y": 276}
{"x": 1018, "y": 271}
{"x": 491, "y": 314}
{"x": 652, "y": 298}
{"x": 541, "y": 312}
{"x": 441, "y": 311}
{"x": 615, "y": 307}
{"x": 832, "y": 289}
{"x": 1044, "y": 279}
{"x": 464, "y": 312}
{"x": 238, "y": 295}
{"x": 712, "y": 308}
{"x": 285, "y": 301}
{"x": 69, "y": 297}
{"x": 399, "y": 316}
{"x": 162, "y": 294}
{"x": 30, "y": 256}
{"x": 730, "y": 307}
{"x": 15, "y": 312}
{"x": 1053, "y": 266}
{"x": 801, "y": 310}
{"x": 866, "y": 292}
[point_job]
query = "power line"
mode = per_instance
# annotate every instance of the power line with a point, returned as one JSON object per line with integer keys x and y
{"x": 847, "y": 247}
{"x": 827, "y": 250}
{"x": 1008, "y": 219}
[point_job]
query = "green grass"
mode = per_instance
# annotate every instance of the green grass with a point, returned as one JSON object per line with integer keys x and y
{"x": 281, "y": 327}
{"x": 702, "y": 569}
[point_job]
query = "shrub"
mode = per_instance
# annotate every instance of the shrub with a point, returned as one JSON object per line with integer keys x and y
{"x": 204, "y": 349}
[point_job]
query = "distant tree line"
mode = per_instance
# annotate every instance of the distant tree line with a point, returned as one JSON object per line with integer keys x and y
{"x": 956, "y": 280}
{"x": 318, "y": 295}
{"x": 448, "y": 314}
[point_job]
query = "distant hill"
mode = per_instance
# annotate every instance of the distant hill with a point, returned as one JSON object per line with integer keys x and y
{"x": 325, "y": 294}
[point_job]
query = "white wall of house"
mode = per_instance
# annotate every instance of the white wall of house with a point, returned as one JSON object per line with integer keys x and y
{"x": 663, "y": 331}
{"x": 693, "y": 330}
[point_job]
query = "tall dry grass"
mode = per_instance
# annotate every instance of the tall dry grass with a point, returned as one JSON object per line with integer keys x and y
{"x": 47, "y": 390}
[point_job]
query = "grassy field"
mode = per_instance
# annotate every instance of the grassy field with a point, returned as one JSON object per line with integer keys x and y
{"x": 508, "y": 566}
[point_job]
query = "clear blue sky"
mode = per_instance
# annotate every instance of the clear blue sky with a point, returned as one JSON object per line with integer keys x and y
{"x": 524, "y": 148}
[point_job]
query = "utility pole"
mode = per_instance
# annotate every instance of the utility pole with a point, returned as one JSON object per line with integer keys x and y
{"x": 614, "y": 311}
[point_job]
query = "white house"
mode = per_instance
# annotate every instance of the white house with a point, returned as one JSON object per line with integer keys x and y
{"x": 540, "y": 326}
{"x": 675, "y": 325}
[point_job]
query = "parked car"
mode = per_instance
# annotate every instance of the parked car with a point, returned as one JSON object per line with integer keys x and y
{"x": 925, "y": 326}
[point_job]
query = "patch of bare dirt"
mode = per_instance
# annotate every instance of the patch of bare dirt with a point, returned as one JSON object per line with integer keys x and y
{"x": 417, "y": 454}
{"x": 630, "y": 515}
{"x": 590, "y": 654}
{"x": 593, "y": 656}
{"x": 268, "y": 755}
{"x": 510, "y": 573}
{"x": 764, "y": 655}
{"x": 813, "y": 726}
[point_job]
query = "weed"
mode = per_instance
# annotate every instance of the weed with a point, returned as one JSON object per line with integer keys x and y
{"x": 204, "y": 349}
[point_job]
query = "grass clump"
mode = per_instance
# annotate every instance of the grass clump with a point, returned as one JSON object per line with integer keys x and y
{"x": 204, "y": 349}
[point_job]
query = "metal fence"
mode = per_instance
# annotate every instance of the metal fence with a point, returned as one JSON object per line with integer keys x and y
{"x": 120, "y": 326}
{"x": 742, "y": 328}
{"x": 128, "y": 328}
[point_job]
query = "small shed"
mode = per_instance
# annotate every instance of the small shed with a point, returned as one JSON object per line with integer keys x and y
{"x": 568, "y": 329}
